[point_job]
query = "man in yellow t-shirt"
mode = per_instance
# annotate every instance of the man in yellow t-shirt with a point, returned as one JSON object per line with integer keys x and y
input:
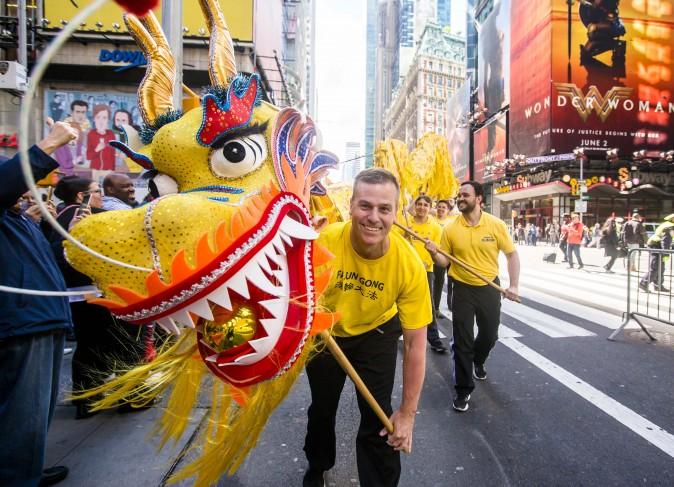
{"x": 426, "y": 227}
{"x": 378, "y": 286}
{"x": 475, "y": 238}
{"x": 445, "y": 215}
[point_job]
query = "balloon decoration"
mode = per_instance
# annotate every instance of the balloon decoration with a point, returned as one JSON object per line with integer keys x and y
{"x": 228, "y": 249}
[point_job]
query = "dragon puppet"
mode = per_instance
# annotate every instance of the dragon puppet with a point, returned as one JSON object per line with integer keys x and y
{"x": 227, "y": 249}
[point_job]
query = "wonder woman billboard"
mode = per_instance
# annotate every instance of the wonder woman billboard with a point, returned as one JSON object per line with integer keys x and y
{"x": 611, "y": 72}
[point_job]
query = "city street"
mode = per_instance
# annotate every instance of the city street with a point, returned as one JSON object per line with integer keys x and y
{"x": 562, "y": 405}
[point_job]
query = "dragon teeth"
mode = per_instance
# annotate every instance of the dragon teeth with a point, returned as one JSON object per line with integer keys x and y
{"x": 169, "y": 325}
{"x": 293, "y": 228}
{"x": 221, "y": 297}
{"x": 201, "y": 308}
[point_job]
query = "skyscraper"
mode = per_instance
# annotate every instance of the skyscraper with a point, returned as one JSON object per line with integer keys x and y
{"x": 370, "y": 80}
{"x": 352, "y": 163}
{"x": 444, "y": 12}
{"x": 387, "y": 72}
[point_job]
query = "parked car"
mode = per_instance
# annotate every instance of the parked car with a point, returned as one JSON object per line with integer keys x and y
{"x": 650, "y": 228}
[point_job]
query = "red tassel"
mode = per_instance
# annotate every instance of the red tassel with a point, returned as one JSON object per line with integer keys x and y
{"x": 138, "y": 7}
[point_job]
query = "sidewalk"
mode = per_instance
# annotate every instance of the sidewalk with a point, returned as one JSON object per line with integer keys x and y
{"x": 110, "y": 449}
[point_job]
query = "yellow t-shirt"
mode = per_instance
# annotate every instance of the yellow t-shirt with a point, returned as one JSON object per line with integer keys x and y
{"x": 477, "y": 246}
{"x": 444, "y": 221}
{"x": 369, "y": 292}
{"x": 431, "y": 230}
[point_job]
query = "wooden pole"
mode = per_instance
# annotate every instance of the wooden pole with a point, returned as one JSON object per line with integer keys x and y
{"x": 456, "y": 261}
{"x": 357, "y": 381}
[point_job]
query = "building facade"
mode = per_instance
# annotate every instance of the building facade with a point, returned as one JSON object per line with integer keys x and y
{"x": 353, "y": 162}
{"x": 387, "y": 66}
{"x": 299, "y": 27}
{"x": 370, "y": 90}
{"x": 420, "y": 102}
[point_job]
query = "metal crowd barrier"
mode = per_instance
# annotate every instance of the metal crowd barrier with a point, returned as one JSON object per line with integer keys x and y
{"x": 649, "y": 288}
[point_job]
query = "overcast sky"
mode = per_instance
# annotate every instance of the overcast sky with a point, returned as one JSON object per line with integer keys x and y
{"x": 341, "y": 27}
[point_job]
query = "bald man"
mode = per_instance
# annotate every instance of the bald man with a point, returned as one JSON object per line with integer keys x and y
{"x": 119, "y": 192}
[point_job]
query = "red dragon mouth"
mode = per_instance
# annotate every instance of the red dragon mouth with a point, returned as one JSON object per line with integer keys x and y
{"x": 267, "y": 270}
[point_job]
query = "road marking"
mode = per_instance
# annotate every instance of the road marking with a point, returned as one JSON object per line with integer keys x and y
{"x": 545, "y": 323}
{"x": 593, "y": 315}
{"x": 503, "y": 330}
{"x": 649, "y": 431}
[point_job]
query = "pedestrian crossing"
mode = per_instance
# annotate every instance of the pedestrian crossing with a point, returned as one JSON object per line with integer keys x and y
{"x": 565, "y": 318}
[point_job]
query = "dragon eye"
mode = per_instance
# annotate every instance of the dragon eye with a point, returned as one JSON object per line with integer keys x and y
{"x": 239, "y": 156}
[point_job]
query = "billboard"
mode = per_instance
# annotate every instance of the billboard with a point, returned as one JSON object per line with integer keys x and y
{"x": 98, "y": 116}
{"x": 458, "y": 134}
{"x": 489, "y": 146}
{"x": 615, "y": 88}
{"x": 239, "y": 16}
{"x": 493, "y": 58}
{"x": 610, "y": 64}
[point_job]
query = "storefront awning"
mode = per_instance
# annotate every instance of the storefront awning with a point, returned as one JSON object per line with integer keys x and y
{"x": 555, "y": 187}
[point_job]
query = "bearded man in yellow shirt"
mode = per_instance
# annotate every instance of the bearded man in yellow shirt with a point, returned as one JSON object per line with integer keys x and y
{"x": 475, "y": 238}
{"x": 379, "y": 288}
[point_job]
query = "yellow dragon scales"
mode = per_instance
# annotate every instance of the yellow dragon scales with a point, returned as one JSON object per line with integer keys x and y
{"x": 227, "y": 249}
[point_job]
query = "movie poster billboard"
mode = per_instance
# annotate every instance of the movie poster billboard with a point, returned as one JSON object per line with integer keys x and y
{"x": 489, "y": 146}
{"x": 98, "y": 117}
{"x": 530, "y": 75}
{"x": 494, "y": 58}
{"x": 458, "y": 135}
{"x": 613, "y": 89}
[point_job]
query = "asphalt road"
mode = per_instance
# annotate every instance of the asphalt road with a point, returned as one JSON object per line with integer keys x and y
{"x": 561, "y": 406}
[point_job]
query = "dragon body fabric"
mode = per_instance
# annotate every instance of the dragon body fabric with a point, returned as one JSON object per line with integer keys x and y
{"x": 228, "y": 251}
{"x": 427, "y": 169}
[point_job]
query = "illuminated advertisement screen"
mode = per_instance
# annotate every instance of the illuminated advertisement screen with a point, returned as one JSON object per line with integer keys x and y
{"x": 613, "y": 89}
{"x": 458, "y": 135}
{"x": 530, "y": 55}
{"x": 494, "y": 58}
{"x": 489, "y": 146}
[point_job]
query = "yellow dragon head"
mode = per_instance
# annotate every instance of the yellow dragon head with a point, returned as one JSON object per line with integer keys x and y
{"x": 228, "y": 248}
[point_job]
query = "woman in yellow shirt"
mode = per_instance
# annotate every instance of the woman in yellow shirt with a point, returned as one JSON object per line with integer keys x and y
{"x": 427, "y": 228}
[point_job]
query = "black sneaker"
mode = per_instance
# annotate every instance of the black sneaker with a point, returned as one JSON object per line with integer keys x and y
{"x": 313, "y": 478}
{"x": 479, "y": 372}
{"x": 644, "y": 287}
{"x": 661, "y": 289}
{"x": 438, "y": 347}
{"x": 53, "y": 475}
{"x": 460, "y": 403}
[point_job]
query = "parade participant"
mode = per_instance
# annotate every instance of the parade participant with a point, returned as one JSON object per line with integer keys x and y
{"x": 427, "y": 228}
{"x": 32, "y": 328}
{"x": 476, "y": 239}
{"x": 378, "y": 286}
{"x": 446, "y": 214}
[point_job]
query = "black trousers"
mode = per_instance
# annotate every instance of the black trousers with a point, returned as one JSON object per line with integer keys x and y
{"x": 104, "y": 345}
{"x": 439, "y": 275}
{"x": 655, "y": 270}
{"x": 432, "y": 334}
{"x": 373, "y": 354}
{"x": 473, "y": 304}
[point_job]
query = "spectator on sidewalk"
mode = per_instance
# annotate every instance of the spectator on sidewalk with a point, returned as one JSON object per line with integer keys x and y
{"x": 119, "y": 192}
{"x": 574, "y": 237}
{"x": 597, "y": 233}
{"x": 610, "y": 241}
{"x": 32, "y": 328}
{"x": 661, "y": 239}
{"x": 633, "y": 235}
